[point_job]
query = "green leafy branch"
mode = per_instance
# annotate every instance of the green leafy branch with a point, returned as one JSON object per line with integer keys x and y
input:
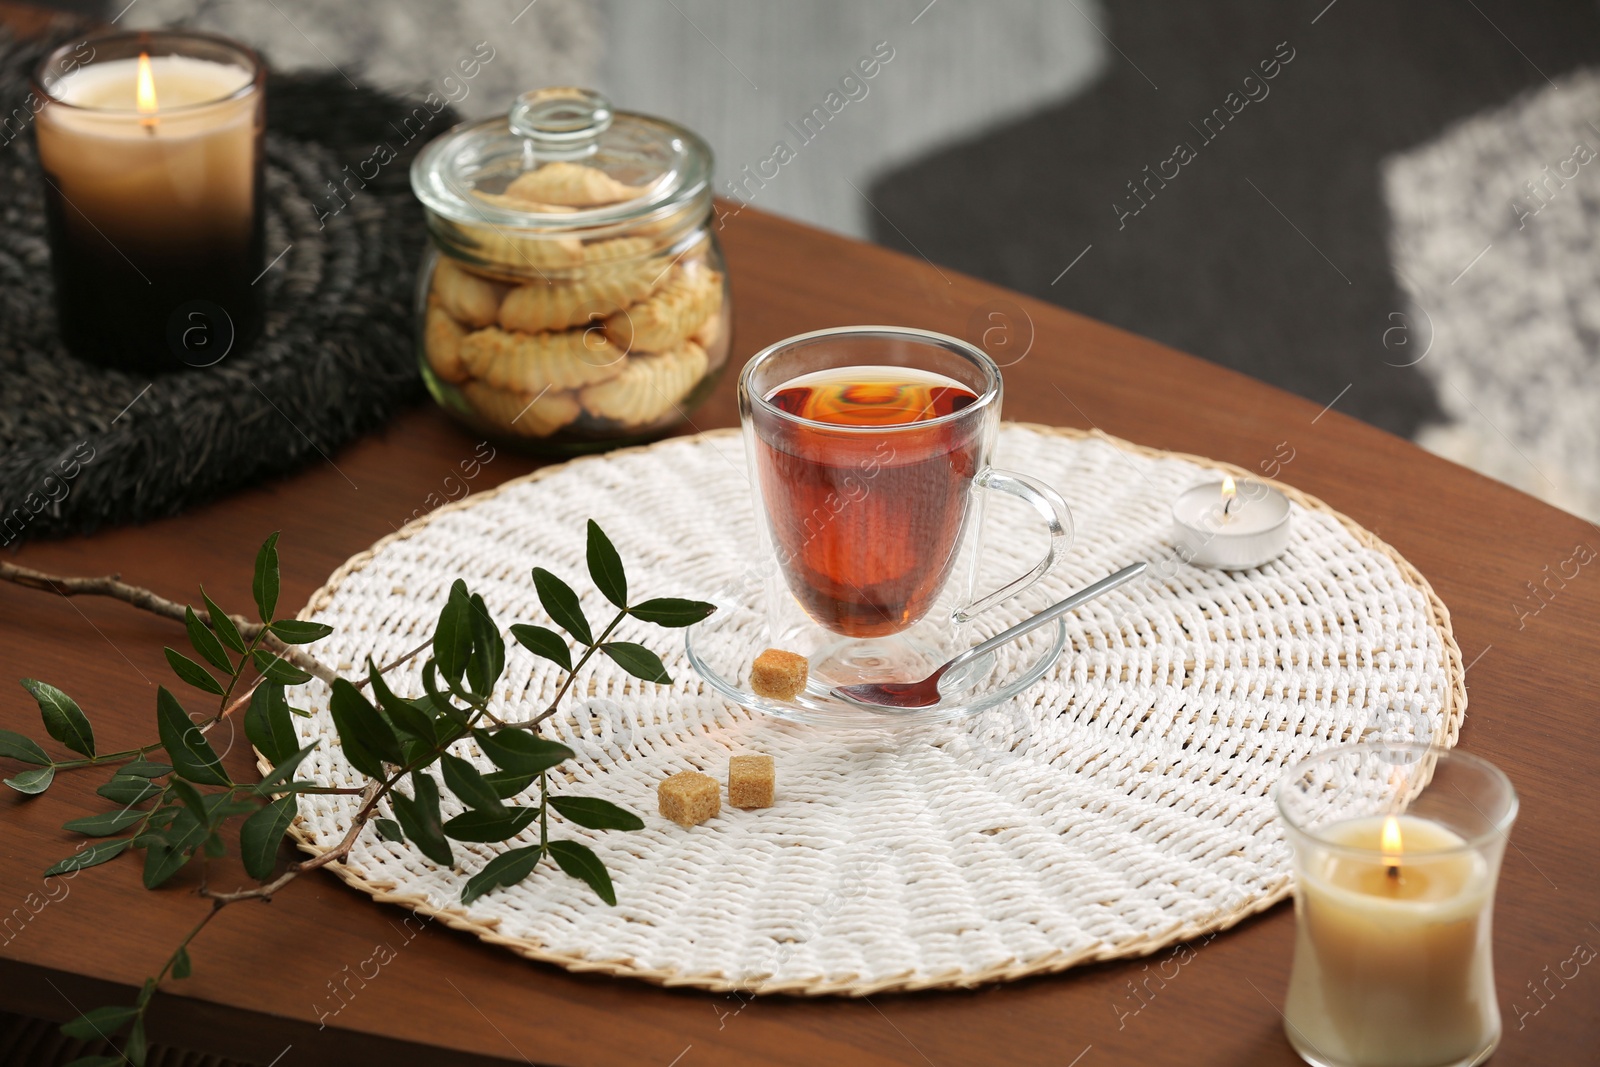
{"x": 178, "y": 811}
{"x": 112, "y": 586}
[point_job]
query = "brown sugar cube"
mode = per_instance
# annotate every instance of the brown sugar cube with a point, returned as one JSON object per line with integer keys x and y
{"x": 750, "y": 781}
{"x": 778, "y": 674}
{"x": 689, "y": 798}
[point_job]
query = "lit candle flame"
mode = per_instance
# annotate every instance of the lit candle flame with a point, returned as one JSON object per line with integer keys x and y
{"x": 1229, "y": 493}
{"x": 1391, "y": 845}
{"x": 146, "y": 91}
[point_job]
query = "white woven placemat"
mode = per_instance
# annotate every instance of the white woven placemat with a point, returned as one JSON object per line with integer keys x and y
{"x": 1119, "y": 806}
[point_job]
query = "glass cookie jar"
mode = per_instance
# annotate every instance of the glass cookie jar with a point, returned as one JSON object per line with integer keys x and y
{"x": 573, "y": 296}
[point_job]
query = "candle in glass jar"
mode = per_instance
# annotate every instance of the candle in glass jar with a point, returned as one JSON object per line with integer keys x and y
{"x": 1392, "y": 962}
{"x": 152, "y": 167}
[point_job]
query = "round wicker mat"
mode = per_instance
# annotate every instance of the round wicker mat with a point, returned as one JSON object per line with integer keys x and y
{"x": 1121, "y": 805}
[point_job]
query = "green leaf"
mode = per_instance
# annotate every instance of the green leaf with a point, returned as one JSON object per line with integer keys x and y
{"x": 191, "y": 754}
{"x": 137, "y": 1048}
{"x": 182, "y": 966}
{"x": 561, "y": 604}
{"x": 277, "y": 669}
{"x": 298, "y": 785}
{"x": 220, "y": 807}
{"x": 163, "y": 818}
{"x": 414, "y": 723}
{"x": 185, "y": 830}
{"x": 265, "y": 586}
{"x": 104, "y": 824}
{"x": 672, "y": 611}
{"x": 637, "y": 660}
{"x": 465, "y": 781}
{"x": 580, "y": 862}
{"x": 368, "y": 740}
{"x": 100, "y": 1023}
{"x": 300, "y": 631}
{"x": 416, "y": 753}
{"x": 22, "y": 748}
{"x": 521, "y": 752}
{"x": 389, "y": 830}
{"x": 543, "y": 641}
{"x": 205, "y": 642}
{"x": 419, "y": 818}
{"x": 508, "y": 868}
{"x": 430, "y": 685}
{"x": 596, "y": 814}
{"x": 605, "y": 567}
{"x": 33, "y": 782}
{"x": 489, "y": 826}
{"x": 190, "y": 798}
{"x": 146, "y": 769}
{"x": 267, "y": 723}
{"x": 63, "y": 719}
{"x": 428, "y": 705}
{"x": 225, "y": 629}
{"x": 192, "y": 672}
{"x": 488, "y": 660}
{"x": 507, "y": 785}
{"x": 260, "y": 834}
{"x": 162, "y": 862}
{"x": 452, "y": 637}
{"x": 93, "y": 856}
{"x": 129, "y": 789}
{"x": 283, "y": 770}
{"x": 406, "y": 715}
{"x": 166, "y": 851}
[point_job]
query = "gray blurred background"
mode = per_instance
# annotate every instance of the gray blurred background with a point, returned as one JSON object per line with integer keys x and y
{"x": 1400, "y": 222}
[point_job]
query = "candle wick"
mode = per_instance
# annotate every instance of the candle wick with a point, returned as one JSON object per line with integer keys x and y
{"x": 1394, "y": 871}
{"x": 1228, "y": 506}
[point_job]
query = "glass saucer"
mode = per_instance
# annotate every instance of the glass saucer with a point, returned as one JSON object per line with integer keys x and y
{"x": 723, "y": 647}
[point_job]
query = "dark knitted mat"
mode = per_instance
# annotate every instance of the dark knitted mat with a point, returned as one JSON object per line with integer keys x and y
{"x": 82, "y": 446}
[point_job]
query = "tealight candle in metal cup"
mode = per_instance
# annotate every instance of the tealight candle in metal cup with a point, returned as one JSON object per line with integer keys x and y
{"x": 1232, "y": 525}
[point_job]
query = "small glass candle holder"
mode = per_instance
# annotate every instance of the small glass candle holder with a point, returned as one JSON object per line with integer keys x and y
{"x": 1397, "y": 850}
{"x": 150, "y": 148}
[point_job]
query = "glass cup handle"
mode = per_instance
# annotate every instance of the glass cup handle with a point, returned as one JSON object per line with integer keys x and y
{"x": 1057, "y": 517}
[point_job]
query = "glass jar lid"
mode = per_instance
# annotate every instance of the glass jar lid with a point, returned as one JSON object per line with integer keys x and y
{"x": 562, "y": 162}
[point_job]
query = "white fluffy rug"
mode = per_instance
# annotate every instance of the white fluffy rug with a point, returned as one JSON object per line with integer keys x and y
{"x": 1496, "y": 239}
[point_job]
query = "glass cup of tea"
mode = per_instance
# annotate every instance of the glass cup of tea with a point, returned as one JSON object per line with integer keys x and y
{"x": 869, "y": 452}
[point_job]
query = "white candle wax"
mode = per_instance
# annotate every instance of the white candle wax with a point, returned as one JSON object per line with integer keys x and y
{"x": 1209, "y": 533}
{"x": 1392, "y": 964}
{"x": 180, "y": 81}
{"x": 182, "y": 173}
{"x": 152, "y": 171}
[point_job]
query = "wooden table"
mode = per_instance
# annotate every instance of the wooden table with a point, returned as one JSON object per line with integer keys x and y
{"x": 446, "y": 999}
